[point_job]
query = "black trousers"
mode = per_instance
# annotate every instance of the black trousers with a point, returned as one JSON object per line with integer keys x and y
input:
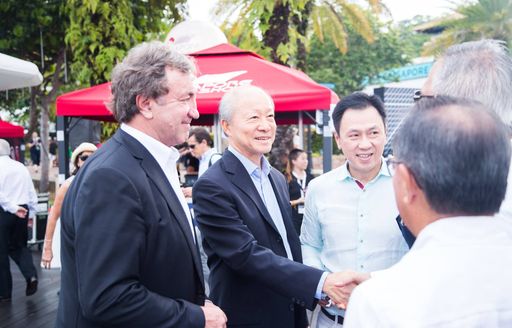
{"x": 13, "y": 243}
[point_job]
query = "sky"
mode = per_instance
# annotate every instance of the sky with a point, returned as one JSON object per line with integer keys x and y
{"x": 400, "y": 9}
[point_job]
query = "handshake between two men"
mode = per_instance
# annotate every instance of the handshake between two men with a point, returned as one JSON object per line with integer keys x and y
{"x": 338, "y": 287}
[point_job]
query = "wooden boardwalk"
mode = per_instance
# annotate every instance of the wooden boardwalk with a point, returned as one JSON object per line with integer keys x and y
{"x": 38, "y": 310}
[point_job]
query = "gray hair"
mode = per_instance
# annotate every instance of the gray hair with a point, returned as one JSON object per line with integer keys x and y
{"x": 229, "y": 101}
{"x": 142, "y": 72}
{"x": 459, "y": 154}
{"x": 5, "y": 148}
{"x": 479, "y": 70}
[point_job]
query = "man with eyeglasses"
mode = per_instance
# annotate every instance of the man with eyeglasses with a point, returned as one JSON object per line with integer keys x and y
{"x": 451, "y": 162}
{"x": 350, "y": 212}
{"x": 129, "y": 252}
{"x": 478, "y": 70}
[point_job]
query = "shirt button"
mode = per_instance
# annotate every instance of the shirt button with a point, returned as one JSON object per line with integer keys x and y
{"x": 292, "y": 307}
{"x": 361, "y": 215}
{"x": 362, "y": 266}
{"x": 361, "y": 241}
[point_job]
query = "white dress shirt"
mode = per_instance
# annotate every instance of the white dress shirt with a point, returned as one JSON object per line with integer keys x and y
{"x": 346, "y": 227}
{"x": 204, "y": 161}
{"x": 16, "y": 187}
{"x": 506, "y": 206}
{"x": 457, "y": 274}
{"x": 166, "y": 157}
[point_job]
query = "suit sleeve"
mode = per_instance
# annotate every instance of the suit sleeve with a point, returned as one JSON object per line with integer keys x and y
{"x": 110, "y": 246}
{"x": 231, "y": 240}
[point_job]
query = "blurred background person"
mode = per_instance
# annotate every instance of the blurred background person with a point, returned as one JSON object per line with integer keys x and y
{"x": 298, "y": 179}
{"x": 78, "y": 158}
{"x": 200, "y": 144}
{"x": 34, "y": 147}
{"x": 18, "y": 202}
{"x": 52, "y": 149}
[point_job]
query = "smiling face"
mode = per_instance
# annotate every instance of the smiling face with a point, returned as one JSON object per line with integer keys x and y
{"x": 252, "y": 126}
{"x": 172, "y": 113}
{"x": 362, "y": 138}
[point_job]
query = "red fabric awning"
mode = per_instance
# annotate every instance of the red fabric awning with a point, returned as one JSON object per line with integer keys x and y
{"x": 220, "y": 69}
{"x": 8, "y": 130}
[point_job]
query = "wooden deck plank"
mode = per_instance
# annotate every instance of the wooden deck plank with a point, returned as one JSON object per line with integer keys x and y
{"x": 38, "y": 310}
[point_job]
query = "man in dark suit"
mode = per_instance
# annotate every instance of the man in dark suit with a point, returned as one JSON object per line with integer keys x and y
{"x": 243, "y": 210}
{"x": 129, "y": 254}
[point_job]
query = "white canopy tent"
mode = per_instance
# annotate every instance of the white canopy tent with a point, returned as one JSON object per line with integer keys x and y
{"x": 17, "y": 73}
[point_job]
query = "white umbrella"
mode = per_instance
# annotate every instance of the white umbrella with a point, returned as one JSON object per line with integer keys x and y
{"x": 17, "y": 73}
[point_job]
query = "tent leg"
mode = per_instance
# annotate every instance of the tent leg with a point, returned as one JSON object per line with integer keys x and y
{"x": 301, "y": 130}
{"x": 217, "y": 133}
{"x": 63, "y": 142}
{"x": 327, "y": 142}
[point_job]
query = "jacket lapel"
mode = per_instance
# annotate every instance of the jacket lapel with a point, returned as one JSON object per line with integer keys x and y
{"x": 157, "y": 176}
{"x": 284, "y": 206}
{"x": 240, "y": 178}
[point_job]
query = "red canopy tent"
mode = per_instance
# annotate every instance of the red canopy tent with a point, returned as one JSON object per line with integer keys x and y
{"x": 14, "y": 135}
{"x": 220, "y": 69}
{"x": 8, "y": 130}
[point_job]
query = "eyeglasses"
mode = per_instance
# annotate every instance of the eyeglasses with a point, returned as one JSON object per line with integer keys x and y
{"x": 392, "y": 163}
{"x": 83, "y": 157}
{"x": 418, "y": 96}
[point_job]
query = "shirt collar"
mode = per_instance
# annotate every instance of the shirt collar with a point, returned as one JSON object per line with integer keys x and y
{"x": 249, "y": 165}
{"x": 345, "y": 173}
{"x": 206, "y": 154}
{"x": 164, "y": 155}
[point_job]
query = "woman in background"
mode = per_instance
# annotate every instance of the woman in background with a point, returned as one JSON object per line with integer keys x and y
{"x": 298, "y": 180}
{"x": 78, "y": 157}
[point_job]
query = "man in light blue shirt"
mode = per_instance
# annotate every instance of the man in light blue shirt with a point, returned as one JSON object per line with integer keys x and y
{"x": 350, "y": 212}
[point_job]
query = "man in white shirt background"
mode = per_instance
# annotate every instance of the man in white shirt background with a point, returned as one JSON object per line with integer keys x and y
{"x": 350, "y": 212}
{"x": 18, "y": 202}
{"x": 451, "y": 163}
{"x": 200, "y": 144}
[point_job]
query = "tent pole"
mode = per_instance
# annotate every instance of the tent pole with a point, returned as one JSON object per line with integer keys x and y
{"x": 301, "y": 130}
{"x": 63, "y": 142}
{"x": 217, "y": 133}
{"x": 327, "y": 142}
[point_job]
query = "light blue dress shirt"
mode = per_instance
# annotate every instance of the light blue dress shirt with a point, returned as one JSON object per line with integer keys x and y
{"x": 346, "y": 227}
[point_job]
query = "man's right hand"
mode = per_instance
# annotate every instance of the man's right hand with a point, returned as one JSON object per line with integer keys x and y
{"x": 338, "y": 286}
{"x": 21, "y": 212}
{"x": 214, "y": 317}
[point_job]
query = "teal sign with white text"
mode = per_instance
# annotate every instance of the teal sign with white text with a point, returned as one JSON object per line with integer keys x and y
{"x": 409, "y": 72}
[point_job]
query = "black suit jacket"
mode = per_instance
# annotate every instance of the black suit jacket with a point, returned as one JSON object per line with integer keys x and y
{"x": 251, "y": 279}
{"x": 128, "y": 254}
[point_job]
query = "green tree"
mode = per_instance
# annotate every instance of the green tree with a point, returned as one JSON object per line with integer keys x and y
{"x": 34, "y": 31}
{"x": 101, "y": 32}
{"x": 392, "y": 48}
{"x": 284, "y": 28}
{"x": 491, "y": 19}
{"x": 94, "y": 34}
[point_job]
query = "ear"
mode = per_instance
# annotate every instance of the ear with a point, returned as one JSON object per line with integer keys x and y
{"x": 407, "y": 183}
{"x": 338, "y": 140}
{"x": 144, "y": 105}
{"x": 225, "y": 127}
